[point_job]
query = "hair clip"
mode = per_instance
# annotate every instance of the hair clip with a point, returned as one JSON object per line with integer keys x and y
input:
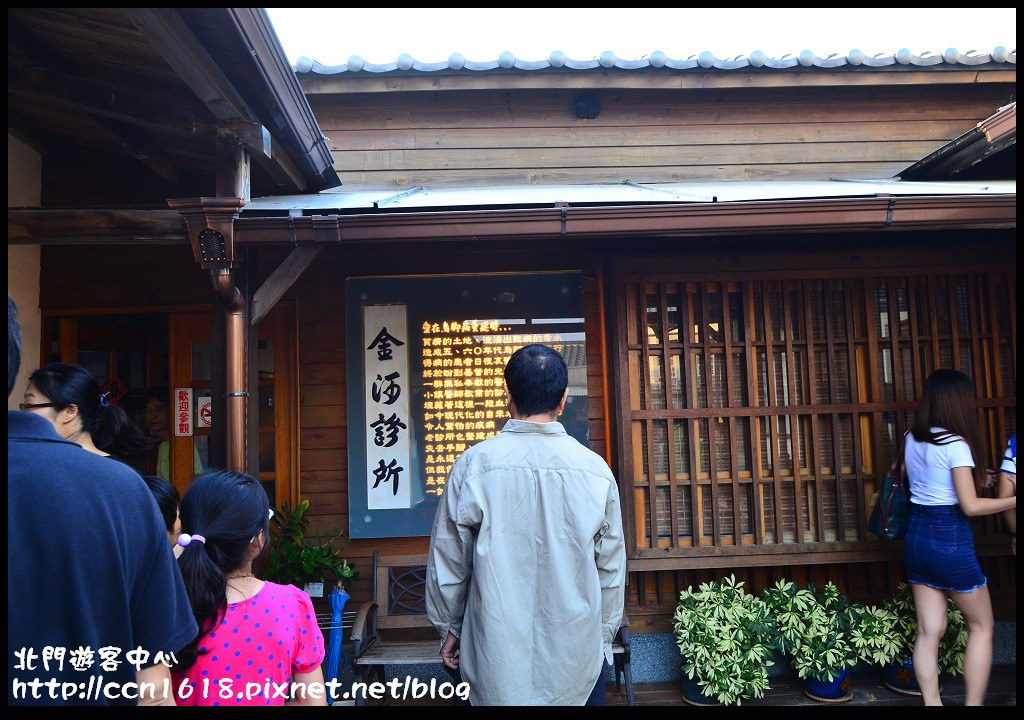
{"x": 104, "y": 401}
{"x": 184, "y": 539}
{"x": 270, "y": 516}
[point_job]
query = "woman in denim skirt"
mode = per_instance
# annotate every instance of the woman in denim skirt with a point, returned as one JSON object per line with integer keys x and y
{"x": 945, "y": 483}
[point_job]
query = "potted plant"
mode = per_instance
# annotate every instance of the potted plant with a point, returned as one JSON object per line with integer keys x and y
{"x": 298, "y": 557}
{"x": 872, "y": 634}
{"x": 825, "y": 636}
{"x": 725, "y": 637}
{"x": 899, "y": 674}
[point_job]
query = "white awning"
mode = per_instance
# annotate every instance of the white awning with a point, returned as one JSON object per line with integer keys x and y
{"x": 339, "y": 201}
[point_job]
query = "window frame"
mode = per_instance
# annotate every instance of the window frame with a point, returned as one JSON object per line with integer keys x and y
{"x": 874, "y": 422}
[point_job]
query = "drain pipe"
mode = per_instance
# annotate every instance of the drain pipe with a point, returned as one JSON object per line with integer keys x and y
{"x": 210, "y": 224}
{"x": 235, "y": 395}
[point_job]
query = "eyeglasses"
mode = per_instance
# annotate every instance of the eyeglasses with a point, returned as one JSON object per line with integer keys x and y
{"x": 32, "y": 406}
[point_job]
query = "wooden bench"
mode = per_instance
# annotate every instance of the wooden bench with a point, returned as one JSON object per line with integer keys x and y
{"x": 393, "y": 628}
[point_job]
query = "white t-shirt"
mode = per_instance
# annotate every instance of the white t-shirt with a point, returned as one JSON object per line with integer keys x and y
{"x": 930, "y": 468}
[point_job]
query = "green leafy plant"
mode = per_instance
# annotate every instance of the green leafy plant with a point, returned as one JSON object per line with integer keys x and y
{"x": 823, "y": 633}
{"x": 872, "y": 634}
{"x": 953, "y": 644}
{"x": 297, "y": 557}
{"x": 725, "y": 636}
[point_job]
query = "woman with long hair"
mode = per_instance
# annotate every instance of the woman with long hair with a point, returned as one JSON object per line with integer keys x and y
{"x": 70, "y": 398}
{"x": 943, "y": 461}
{"x": 259, "y": 642}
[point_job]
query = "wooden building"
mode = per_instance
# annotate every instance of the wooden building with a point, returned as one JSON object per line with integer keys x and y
{"x": 772, "y": 255}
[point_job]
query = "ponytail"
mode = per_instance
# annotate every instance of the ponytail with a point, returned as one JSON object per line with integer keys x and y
{"x": 119, "y": 436}
{"x": 111, "y": 429}
{"x": 222, "y": 512}
{"x": 207, "y": 595}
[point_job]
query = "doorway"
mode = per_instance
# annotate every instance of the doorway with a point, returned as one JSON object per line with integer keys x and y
{"x": 136, "y": 351}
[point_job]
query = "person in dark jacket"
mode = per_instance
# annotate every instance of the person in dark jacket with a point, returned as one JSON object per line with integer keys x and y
{"x": 96, "y": 608}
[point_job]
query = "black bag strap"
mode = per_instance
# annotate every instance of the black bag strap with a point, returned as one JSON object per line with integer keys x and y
{"x": 898, "y": 469}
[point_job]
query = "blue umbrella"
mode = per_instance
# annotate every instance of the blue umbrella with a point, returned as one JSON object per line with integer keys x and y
{"x": 338, "y": 598}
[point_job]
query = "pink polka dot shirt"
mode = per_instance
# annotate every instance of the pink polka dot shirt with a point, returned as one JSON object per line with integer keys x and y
{"x": 253, "y": 653}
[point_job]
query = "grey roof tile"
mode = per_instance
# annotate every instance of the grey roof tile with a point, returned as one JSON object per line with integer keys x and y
{"x": 658, "y": 59}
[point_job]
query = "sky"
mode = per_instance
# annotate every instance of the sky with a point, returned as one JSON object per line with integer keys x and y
{"x": 379, "y": 35}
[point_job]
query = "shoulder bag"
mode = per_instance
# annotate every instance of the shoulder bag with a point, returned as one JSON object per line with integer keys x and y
{"x": 890, "y": 514}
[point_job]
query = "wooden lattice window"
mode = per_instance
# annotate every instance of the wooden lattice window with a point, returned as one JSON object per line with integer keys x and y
{"x": 759, "y": 411}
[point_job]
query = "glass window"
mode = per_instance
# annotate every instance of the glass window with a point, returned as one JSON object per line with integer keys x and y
{"x": 441, "y": 344}
{"x": 778, "y": 435}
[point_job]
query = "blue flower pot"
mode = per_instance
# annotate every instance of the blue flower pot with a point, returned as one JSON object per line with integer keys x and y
{"x": 835, "y": 690}
{"x": 900, "y": 678}
{"x": 693, "y": 694}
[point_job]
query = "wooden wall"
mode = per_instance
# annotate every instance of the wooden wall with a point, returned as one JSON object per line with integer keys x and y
{"x": 323, "y": 421}
{"x": 118, "y": 276}
{"x": 136, "y": 277}
{"x": 525, "y": 137}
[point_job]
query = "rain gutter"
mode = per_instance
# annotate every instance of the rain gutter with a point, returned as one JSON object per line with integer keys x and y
{"x": 882, "y": 212}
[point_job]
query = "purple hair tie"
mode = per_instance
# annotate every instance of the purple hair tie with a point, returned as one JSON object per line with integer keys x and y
{"x": 184, "y": 539}
{"x": 104, "y": 400}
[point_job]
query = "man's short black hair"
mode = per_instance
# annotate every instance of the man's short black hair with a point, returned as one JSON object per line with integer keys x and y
{"x": 13, "y": 344}
{"x": 537, "y": 377}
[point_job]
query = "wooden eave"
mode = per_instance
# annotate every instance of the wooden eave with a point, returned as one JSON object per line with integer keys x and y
{"x": 991, "y": 136}
{"x": 104, "y": 227}
{"x": 183, "y": 51}
{"x": 285, "y": 96}
{"x": 163, "y": 86}
{"x": 648, "y": 79}
{"x": 1002, "y": 126}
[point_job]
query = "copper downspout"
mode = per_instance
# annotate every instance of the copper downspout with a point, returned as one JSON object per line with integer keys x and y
{"x": 235, "y": 394}
{"x": 210, "y": 222}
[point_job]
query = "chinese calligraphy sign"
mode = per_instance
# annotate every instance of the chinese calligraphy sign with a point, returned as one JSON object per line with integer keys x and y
{"x": 387, "y": 423}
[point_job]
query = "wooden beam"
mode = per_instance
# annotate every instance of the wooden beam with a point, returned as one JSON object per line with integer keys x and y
{"x": 173, "y": 39}
{"x": 234, "y": 171}
{"x": 649, "y": 79}
{"x": 140, "y": 148}
{"x": 95, "y": 227}
{"x": 266, "y": 151}
{"x": 281, "y": 280}
{"x": 97, "y": 99}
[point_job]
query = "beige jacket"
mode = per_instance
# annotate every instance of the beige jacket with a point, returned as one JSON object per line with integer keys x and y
{"x": 527, "y": 566}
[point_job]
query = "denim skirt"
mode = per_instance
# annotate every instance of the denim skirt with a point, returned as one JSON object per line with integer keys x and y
{"x": 939, "y": 549}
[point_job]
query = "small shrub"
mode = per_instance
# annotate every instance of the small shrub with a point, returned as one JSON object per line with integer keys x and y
{"x": 297, "y": 557}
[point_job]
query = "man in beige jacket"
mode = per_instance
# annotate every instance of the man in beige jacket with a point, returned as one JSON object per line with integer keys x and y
{"x": 526, "y": 571}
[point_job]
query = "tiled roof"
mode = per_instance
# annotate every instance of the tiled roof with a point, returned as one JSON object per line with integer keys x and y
{"x": 658, "y": 59}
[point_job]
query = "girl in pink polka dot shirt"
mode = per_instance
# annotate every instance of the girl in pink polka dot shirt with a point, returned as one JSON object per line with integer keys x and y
{"x": 259, "y": 642}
